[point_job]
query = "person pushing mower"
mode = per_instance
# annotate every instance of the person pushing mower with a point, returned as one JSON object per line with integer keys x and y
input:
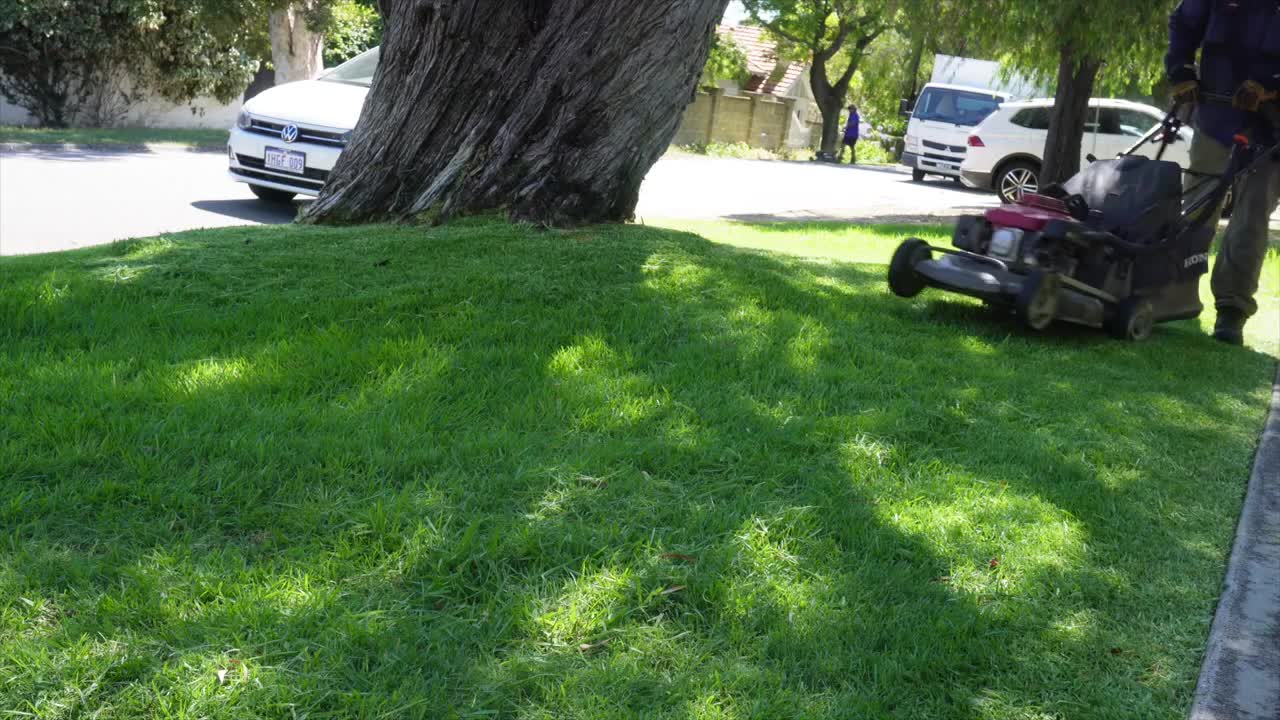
{"x": 1239, "y": 46}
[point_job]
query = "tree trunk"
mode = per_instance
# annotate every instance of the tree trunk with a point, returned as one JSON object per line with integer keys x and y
{"x": 830, "y": 96}
{"x": 1076, "y": 77}
{"x": 551, "y": 110}
{"x": 830, "y": 108}
{"x": 917, "y": 58}
{"x": 296, "y": 51}
{"x": 263, "y": 80}
{"x": 829, "y": 103}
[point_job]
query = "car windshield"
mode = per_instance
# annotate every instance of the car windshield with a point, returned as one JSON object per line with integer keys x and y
{"x": 356, "y": 71}
{"x": 955, "y": 107}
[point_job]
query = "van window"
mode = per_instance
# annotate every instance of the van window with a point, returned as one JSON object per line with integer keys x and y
{"x": 955, "y": 107}
{"x": 1032, "y": 118}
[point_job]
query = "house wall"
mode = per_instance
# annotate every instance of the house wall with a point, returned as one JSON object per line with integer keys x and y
{"x": 151, "y": 112}
{"x": 804, "y": 113}
{"x": 761, "y": 121}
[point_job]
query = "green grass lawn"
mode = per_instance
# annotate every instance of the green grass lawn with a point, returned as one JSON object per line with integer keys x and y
{"x": 486, "y": 471}
{"x": 112, "y": 136}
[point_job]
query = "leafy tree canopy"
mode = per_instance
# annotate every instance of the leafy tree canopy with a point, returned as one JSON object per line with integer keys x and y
{"x": 831, "y": 35}
{"x": 727, "y": 61}
{"x": 61, "y": 59}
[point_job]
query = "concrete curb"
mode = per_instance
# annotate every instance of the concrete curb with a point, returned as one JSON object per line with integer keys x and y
{"x": 122, "y": 148}
{"x": 1240, "y": 678}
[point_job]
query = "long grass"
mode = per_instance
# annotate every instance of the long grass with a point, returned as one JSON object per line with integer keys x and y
{"x": 490, "y": 471}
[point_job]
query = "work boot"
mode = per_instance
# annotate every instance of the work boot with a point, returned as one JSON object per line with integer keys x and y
{"x": 1230, "y": 326}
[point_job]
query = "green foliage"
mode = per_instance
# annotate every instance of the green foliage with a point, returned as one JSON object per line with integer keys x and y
{"x": 1030, "y": 36}
{"x": 494, "y": 471}
{"x": 727, "y": 61}
{"x": 352, "y": 28}
{"x": 832, "y": 36}
{"x": 818, "y": 29}
{"x": 199, "y": 48}
{"x": 884, "y": 79}
{"x": 1130, "y": 37}
{"x": 743, "y": 151}
{"x": 59, "y": 58}
{"x": 871, "y": 151}
{"x": 51, "y": 59}
{"x": 57, "y": 54}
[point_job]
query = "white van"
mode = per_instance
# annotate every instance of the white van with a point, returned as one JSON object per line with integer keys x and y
{"x": 941, "y": 121}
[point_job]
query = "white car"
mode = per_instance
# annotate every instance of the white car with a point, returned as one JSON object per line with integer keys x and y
{"x": 1005, "y": 151}
{"x": 287, "y": 139}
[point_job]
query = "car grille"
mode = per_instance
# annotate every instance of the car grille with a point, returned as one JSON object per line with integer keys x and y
{"x": 944, "y": 158}
{"x": 945, "y": 148}
{"x": 305, "y": 134}
{"x": 294, "y": 181}
{"x": 309, "y": 178}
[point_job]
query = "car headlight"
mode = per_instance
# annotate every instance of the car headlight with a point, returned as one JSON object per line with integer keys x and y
{"x": 913, "y": 144}
{"x": 244, "y": 121}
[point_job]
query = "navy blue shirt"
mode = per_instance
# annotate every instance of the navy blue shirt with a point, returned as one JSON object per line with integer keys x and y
{"x": 1238, "y": 40}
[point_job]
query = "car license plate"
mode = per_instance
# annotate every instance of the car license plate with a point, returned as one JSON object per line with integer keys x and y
{"x": 289, "y": 161}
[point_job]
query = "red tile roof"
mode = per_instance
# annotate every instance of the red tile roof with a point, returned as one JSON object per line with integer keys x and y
{"x": 762, "y": 60}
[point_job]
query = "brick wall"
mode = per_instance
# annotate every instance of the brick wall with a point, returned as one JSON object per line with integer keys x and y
{"x": 758, "y": 120}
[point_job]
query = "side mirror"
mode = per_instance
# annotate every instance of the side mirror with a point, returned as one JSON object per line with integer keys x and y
{"x": 1091, "y": 158}
{"x": 905, "y": 107}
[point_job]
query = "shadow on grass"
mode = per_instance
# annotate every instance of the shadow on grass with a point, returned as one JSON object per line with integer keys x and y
{"x": 615, "y": 472}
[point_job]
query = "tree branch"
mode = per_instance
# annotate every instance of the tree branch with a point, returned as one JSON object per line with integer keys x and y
{"x": 862, "y": 44}
{"x": 836, "y": 45}
{"x": 773, "y": 27}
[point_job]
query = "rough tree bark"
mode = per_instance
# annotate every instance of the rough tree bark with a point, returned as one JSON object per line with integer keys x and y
{"x": 296, "y": 52}
{"x": 552, "y": 110}
{"x": 1076, "y": 77}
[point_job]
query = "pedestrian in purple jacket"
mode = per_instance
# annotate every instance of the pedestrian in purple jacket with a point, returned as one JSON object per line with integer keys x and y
{"x": 851, "y": 134}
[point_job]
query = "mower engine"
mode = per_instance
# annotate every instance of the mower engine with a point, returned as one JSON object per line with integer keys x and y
{"x": 1029, "y": 234}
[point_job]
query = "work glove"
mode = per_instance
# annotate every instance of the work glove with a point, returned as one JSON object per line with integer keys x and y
{"x": 1185, "y": 96}
{"x": 1250, "y": 96}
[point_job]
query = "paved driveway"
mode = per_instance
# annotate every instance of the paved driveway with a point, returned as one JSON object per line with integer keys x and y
{"x": 57, "y": 200}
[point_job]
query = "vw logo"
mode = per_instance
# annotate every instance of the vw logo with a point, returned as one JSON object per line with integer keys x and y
{"x": 289, "y": 133}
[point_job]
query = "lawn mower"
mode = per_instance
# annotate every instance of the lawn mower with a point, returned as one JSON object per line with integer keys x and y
{"x": 1121, "y": 246}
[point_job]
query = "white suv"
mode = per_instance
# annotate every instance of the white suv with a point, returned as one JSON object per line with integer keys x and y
{"x": 1004, "y": 152}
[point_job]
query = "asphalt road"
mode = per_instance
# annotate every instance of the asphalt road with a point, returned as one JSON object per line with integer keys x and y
{"x": 58, "y": 200}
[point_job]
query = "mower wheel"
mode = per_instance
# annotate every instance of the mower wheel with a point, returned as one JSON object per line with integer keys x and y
{"x": 1037, "y": 304}
{"x": 1133, "y": 320}
{"x": 904, "y": 281}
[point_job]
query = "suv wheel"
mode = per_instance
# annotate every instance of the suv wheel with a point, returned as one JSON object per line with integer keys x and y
{"x": 272, "y": 195}
{"x": 1017, "y": 179}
